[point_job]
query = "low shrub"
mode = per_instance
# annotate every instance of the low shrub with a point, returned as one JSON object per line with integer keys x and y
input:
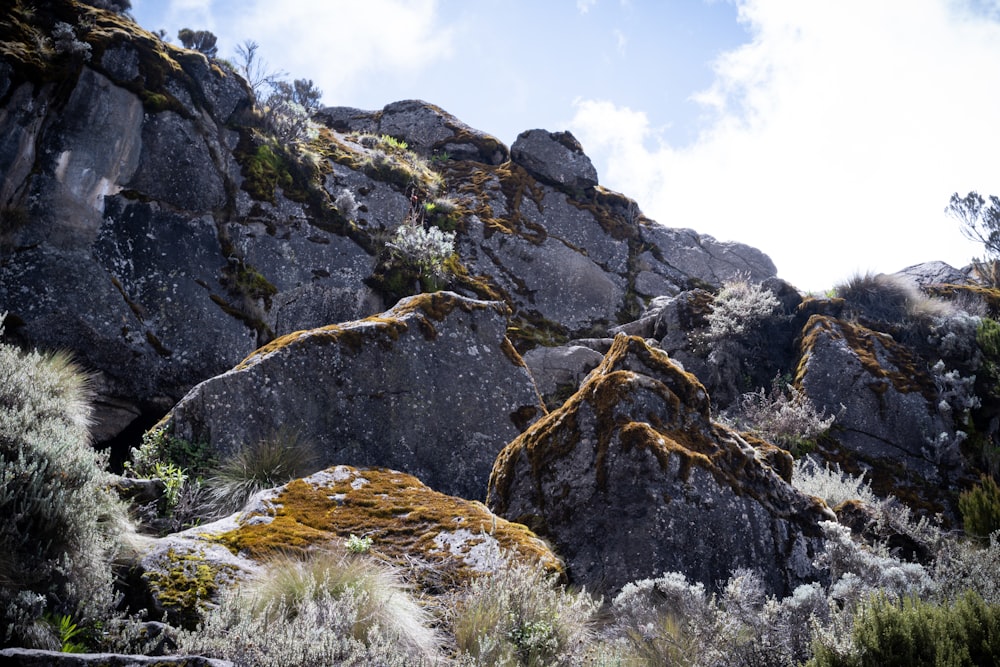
{"x": 785, "y": 417}
{"x": 980, "y": 508}
{"x": 61, "y": 520}
{"x": 912, "y": 633}
{"x": 516, "y": 614}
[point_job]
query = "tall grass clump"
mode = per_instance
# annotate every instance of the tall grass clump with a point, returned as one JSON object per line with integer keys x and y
{"x": 517, "y": 614}
{"x": 884, "y": 301}
{"x": 325, "y": 607}
{"x": 268, "y": 462}
{"x": 60, "y": 519}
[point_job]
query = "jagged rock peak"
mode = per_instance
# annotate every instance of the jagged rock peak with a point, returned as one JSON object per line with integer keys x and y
{"x": 631, "y": 478}
{"x": 426, "y": 128}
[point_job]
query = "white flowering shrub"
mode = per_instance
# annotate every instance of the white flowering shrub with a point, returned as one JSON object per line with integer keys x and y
{"x": 65, "y": 41}
{"x": 787, "y": 418}
{"x": 830, "y": 483}
{"x": 60, "y": 522}
{"x": 739, "y": 307}
{"x": 423, "y": 249}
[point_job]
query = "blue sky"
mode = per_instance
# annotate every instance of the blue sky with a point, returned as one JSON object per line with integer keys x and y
{"x": 829, "y": 134}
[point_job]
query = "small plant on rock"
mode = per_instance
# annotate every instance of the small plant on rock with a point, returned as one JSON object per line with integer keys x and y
{"x": 785, "y": 417}
{"x": 268, "y": 462}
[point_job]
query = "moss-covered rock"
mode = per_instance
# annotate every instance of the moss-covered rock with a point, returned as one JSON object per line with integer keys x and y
{"x": 405, "y": 520}
{"x": 431, "y": 387}
{"x": 891, "y": 419}
{"x": 631, "y": 478}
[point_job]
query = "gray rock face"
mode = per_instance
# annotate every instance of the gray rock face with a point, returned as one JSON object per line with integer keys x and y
{"x": 885, "y": 396}
{"x": 430, "y": 387}
{"x": 555, "y": 368}
{"x": 630, "y": 479}
{"x": 147, "y": 225}
{"x": 556, "y": 158}
{"x": 933, "y": 273}
{"x": 427, "y": 129}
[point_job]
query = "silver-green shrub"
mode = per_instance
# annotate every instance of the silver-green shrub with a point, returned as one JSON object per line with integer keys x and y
{"x": 325, "y": 608}
{"x": 59, "y": 519}
{"x": 785, "y": 417}
{"x": 517, "y": 614}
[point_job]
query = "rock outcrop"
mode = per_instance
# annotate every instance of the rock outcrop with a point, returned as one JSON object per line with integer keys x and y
{"x": 24, "y": 657}
{"x": 631, "y": 478}
{"x": 431, "y": 387}
{"x": 404, "y": 519}
{"x": 440, "y": 537}
{"x": 891, "y": 414}
{"x": 153, "y": 225}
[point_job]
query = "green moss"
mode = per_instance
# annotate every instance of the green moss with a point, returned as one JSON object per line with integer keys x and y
{"x": 186, "y": 585}
{"x": 400, "y": 515}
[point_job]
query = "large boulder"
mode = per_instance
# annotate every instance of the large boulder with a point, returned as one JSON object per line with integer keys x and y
{"x": 556, "y": 158}
{"x": 442, "y": 539}
{"x": 631, "y": 478}
{"x": 431, "y": 387}
{"x": 426, "y": 128}
{"x": 890, "y": 415}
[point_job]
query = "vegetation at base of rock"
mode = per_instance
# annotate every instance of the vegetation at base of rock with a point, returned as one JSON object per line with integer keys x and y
{"x": 911, "y": 632}
{"x": 159, "y": 446}
{"x": 262, "y": 464}
{"x": 785, "y": 417}
{"x": 62, "y": 521}
{"x": 980, "y": 507}
{"x": 516, "y": 614}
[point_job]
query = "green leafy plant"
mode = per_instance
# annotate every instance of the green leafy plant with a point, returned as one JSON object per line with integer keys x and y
{"x": 359, "y": 545}
{"x": 173, "y": 478}
{"x": 980, "y": 508}
{"x": 68, "y": 631}
{"x": 913, "y": 633}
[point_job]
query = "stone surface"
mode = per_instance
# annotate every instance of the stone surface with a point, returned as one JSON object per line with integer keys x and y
{"x": 631, "y": 478}
{"x": 427, "y": 129}
{"x": 886, "y": 400}
{"x": 431, "y": 387}
{"x": 556, "y": 158}
{"x": 934, "y": 273}
{"x": 150, "y": 226}
{"x": 23, "y": 657}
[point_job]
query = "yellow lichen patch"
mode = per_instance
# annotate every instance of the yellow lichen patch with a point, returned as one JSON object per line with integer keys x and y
{"x": 989, "y": 295}
{"x": 513, "y": 182}
{"x": 403, "y": 518}
{"x": 885, "y": 360}
{"x": 186, "y": 582}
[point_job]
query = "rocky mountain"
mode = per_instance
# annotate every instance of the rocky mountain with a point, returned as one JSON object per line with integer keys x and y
{"x": 441, "y": 320}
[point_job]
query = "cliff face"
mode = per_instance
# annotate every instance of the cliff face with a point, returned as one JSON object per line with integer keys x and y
{"x": 149, "y": 226}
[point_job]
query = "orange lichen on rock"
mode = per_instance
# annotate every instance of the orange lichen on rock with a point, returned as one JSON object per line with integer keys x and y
{"x": 404, "y": 519}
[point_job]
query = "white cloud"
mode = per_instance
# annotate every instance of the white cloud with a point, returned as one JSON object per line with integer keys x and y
{"x": 584, "y": 6}
{"x": 621, "y": 41}
{"x": 835, "y": 137}
{"x": 339, "y": 44}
